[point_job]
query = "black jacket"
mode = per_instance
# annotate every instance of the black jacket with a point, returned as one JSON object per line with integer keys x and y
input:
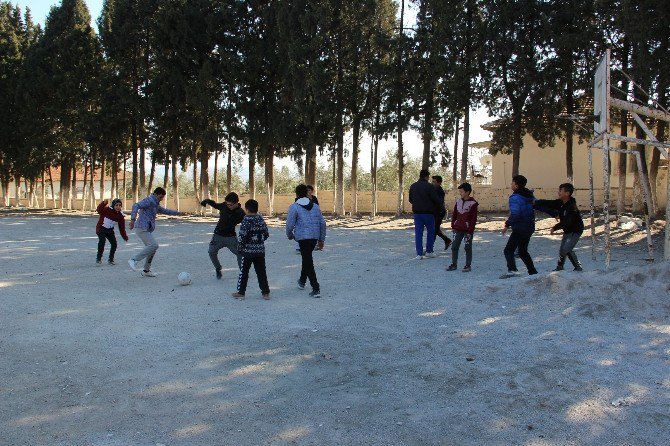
{"x": 228, "y": 218}
{"x": 568, "y": 213}
{"x": 424, "y": 198}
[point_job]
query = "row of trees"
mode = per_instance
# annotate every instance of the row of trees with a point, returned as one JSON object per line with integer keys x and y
{"x": 179, "y": 82}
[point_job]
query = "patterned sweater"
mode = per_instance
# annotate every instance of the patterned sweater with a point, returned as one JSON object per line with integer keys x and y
{"x": 252, "y": 235}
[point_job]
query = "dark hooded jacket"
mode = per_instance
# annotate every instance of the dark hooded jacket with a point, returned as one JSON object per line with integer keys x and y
{"x": 424, "y": 198}
{"x": 228, "y": 218}
{"x": 568, "y": 213}
{"x": 521, "y": 213}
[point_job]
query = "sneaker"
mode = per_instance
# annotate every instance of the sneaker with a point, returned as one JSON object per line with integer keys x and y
{"x": 219, "y": 275}
{"x": 559, "y": 268}
{"x": 418, "y": 258}
{"x": 266, "y": 296}
{"x": 238, "y": 295}
{"x": 133, "y": 264}
{"x": 452, "y": 267}
{"x": 147, "y": 274}
{"x": 98, "y": 263}
{"x": 578, "y": 269}
{"x": 532, "y": 273}
{"x": 301, "y": 286}
{"x": 297, "y": 251}
{"x": 510, "y": 274}
{"x": 431, "y": 255}
{"x": 467, "y": 269}
{"x": 111, "y": 262}
{"x": 315, "y": 293}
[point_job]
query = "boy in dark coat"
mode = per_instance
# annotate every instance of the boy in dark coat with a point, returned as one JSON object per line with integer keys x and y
{"x": 570, "y": 221}
{"x": 230, "y": 215}
{"x": 253, "y": 233}
{"x": 522, "y": 221}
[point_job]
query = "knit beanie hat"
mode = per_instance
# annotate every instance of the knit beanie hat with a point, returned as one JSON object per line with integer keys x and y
{"x": 114, "y": 201}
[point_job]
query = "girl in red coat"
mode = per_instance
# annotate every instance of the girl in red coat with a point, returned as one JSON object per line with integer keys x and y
{"x": 463, "y": 221}
{"x": 109, "y": 217}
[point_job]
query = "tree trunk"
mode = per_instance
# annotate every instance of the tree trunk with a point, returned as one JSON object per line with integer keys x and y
{"x": 53, "y": 192}
{"x": 83, "y": 192}
{"x": 196, "y": 178}
{"x": 216, "y": 175}
{"x": 375, "y": 151}
{"x": 569, "y": 136}
{"x": 91, "y": 185}
{"x": 125, "y": 188}
{"x": 204, "y": 174}
{"x": 252, "y": 172}
{"x": 334, "y": 174}
{"x": 229, "y": 168}
{"x": 400, "y": 209}
{"x": 175, "y": 178}
{"x": 466, "y": 143}
{"x": 270, "y": 180}
{"x": 339, "y": 158}
{"x": 454, "y": 173}
{"x": 133, "y": 143}
{"x": 152, "y": 175}
{"x": 143, "y": 171}
{"x": 166, "y": 175}
{"x": 656, "y": 154}
{"x": 17, "y": 192}
{"x": 44, "y": 191}
{"x": 354, "y": 165}
{"x": 310, "y": 164}
{"x": 103, "y": 171}
{"x": 427, "y": 131}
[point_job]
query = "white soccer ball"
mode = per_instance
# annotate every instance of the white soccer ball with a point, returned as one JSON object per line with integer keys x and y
{"x": 184, "y": 278}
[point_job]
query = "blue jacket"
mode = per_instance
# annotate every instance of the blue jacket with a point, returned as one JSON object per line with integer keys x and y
{"x": 149, "y": 207}
{"x": 521, "y": 213}
{"x": 305, "y": 221}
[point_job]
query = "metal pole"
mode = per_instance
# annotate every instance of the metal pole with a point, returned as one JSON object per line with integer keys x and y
{"x": 593, "y": 206}
{"x": 606, "y": 200}
{"x": 647, "y": 200}
{"x": 666, "y": 245}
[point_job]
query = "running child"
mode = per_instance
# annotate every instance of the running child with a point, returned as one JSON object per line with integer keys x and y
{"x": 144, "y": 228}
{"x": 230, "y": 215}
{"x": 463, "y": 221}
{"x": 251, "y": 244}
{"x": 570, "y": 221}
{"x": 522, "y": 221}
{"x": 109, "y": 218}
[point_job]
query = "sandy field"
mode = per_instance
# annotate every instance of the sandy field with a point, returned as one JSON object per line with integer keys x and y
{"x": 396, "y": 352}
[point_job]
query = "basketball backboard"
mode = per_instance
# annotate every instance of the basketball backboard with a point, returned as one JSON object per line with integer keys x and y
{"x": 601, "y": 95}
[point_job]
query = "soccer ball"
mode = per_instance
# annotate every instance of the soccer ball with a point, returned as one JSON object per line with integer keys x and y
{"x": 184, "y": 278}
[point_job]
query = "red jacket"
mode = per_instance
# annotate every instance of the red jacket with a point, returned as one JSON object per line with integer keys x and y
{"x": 464, "y": 216}
{"x": 108, "y": 218}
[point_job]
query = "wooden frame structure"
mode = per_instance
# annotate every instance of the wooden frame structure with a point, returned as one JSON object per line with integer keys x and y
{"x": 602, "y": 136}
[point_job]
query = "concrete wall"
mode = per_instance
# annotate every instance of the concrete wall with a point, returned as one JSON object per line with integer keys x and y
{"x": 490, "y": 198}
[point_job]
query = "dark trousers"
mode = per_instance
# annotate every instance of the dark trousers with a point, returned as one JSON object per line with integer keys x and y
{"x": 102, "y": 236}
{"x": 438, "y": 230}
{"x": 261, "y": 274}
{"x": 458, "y": 238}
{"x": 307, "y": 270}
{"x": 519, "y": 240}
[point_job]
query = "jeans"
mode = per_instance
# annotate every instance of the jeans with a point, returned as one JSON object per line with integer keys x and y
{"x": 438, "y": 231}
{"x": 102, "y": 236}
{"x": 149, "y": 250}
{"x": 455, "y": 246}
{"x": 261, "y": 274}
{"x": 307, "y": 271}
{"x": 519, "y": 240}
{"x": 219, "y": 242}
{"x": 568, "y": 243}
{"x": 421, "y": 220}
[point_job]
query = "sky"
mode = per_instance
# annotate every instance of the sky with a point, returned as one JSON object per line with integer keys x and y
{"x": 412, "y": 140}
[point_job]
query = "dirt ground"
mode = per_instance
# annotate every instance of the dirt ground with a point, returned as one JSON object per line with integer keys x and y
{"x": 396, "y": 352}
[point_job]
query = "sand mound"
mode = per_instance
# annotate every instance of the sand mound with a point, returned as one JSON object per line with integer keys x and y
{"x": 629, "y": 292}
